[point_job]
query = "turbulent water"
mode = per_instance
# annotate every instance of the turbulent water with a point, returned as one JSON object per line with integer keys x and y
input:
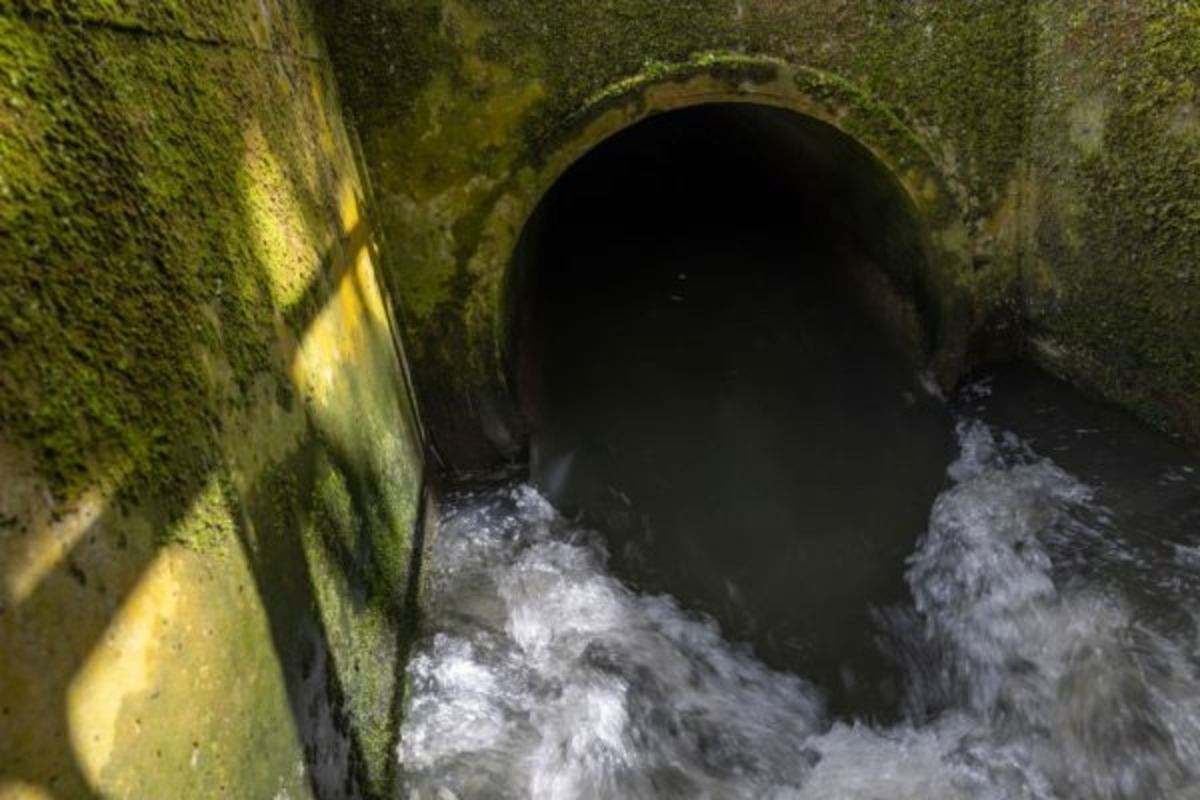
{"x": 1047, "y": 651}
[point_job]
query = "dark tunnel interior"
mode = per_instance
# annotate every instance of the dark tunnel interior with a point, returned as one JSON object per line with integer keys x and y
{"x": 718, "y": 343}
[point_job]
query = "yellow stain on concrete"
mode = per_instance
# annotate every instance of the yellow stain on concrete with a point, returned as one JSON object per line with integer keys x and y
{"x": 1087, "y": 118}
{"x": 465, "y": 24}
{"x": 955, "y": 239}
{"x": 121, "y": 665}
{"x": 921, "y": 187}
{"x": 19, "y": 790}
{"x": 509, "y": 102}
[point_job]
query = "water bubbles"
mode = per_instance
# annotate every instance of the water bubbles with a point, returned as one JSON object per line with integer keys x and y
{"x": 1026, "y": 676}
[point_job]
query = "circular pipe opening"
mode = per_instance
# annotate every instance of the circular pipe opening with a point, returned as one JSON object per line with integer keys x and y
{"x": 719, "y": 327}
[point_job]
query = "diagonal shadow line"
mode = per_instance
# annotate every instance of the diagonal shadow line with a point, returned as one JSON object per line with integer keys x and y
{"x": 281, "y": 615}
{"x": 180, "y": 459}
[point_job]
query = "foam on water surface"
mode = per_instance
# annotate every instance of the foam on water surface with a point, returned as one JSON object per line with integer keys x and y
{"x": 1027, "y": 672}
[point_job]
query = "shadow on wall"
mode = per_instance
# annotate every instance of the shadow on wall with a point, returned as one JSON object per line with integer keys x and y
{"x": 220, "y": 411}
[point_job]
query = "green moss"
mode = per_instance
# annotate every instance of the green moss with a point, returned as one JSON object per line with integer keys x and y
{"x": 973, "y": 62}
{"x": 105, "y": 375}
{"x": 869, "y": 119}
{"x": 1121, "y": 237}
{"x": 208, "y": 528}
{"x": 937, "y": 88}
{"x": 202, "y": 21}
{"x": 142, "y": 345}
{"x": 359, "y": 608}
{"x": 98, "y": 374}
{"x": 731, "y": 65}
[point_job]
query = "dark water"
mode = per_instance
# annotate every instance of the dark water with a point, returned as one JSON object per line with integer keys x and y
{"x": 769, "y": 451}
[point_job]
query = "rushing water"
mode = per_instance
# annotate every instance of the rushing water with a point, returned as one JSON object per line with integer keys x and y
{"x": 1048, "y": 648}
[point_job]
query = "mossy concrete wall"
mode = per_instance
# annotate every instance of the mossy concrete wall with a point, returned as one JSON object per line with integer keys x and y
{"x": 1049, "y": 150}
{"x": 468, "y": 110}
{"x": 209, "y": 465}
{"x": 1113, "y": 234}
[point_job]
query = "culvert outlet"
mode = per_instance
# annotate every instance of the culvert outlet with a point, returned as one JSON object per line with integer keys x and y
{"x": 720, "y": 337}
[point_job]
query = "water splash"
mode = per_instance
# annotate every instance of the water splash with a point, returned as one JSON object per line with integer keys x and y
{"x": 1026, "y": 676}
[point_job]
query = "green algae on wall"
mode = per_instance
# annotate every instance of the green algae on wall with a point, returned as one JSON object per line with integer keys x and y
{"x": 459, "y": 102}
{"x": 199, "y": 375}
{"x": 192, "y": 343}
{"x": 1114, "y": 281}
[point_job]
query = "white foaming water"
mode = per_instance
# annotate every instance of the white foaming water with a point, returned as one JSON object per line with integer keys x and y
{"x": 544, "y": 676}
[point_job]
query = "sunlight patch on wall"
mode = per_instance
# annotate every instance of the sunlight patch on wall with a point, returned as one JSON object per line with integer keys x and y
{"x": 289, "y": 256}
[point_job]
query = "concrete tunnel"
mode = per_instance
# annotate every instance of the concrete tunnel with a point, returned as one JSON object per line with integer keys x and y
{"x": 722, "y": 321}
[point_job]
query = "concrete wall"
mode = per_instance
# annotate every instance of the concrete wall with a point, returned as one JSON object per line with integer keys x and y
{"x": 468, "y": 111}
{"x": 209, "y": 466}
{"x": 1113, "y": 235}
{"x": 1049, "y": 149}
{"x": 209, "y": 462}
